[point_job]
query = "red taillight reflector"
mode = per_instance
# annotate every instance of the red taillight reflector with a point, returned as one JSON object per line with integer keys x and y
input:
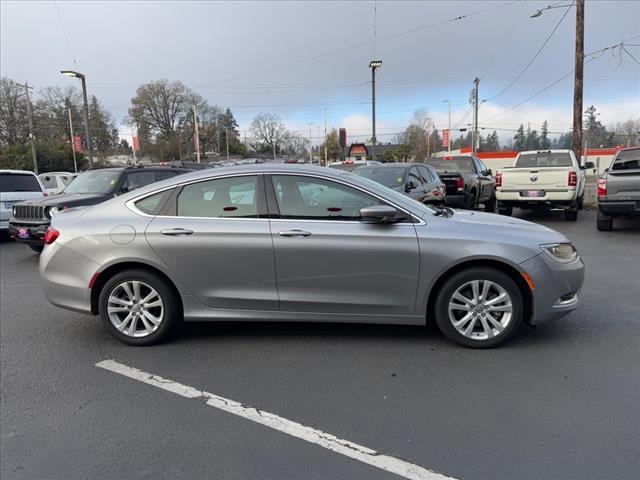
{"x": 51, "y": 235}
{"x": 602, "y": 187}
{"x": 573, "y": 179}
{"x": 499, "y": 179}
{"x": 459, "y": 183}
{"x": 45, "y": 194}
{"x": 93, "y": 280}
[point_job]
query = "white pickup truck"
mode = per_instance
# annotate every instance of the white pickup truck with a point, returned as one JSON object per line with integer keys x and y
{"x": 551, "y": 179}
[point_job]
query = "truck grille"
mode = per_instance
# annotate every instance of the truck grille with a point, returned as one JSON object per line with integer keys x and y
{"x": 31, "y": 213}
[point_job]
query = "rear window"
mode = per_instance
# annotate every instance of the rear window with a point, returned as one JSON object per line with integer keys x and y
{"x": 542, "y": 159}
{"x": 19, "y": 182}
{"x": 392, "y": 177}
{"x": 627, "y": 160}
{"x": 452, "y": 164}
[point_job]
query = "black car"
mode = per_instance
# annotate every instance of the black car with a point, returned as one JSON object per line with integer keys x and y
{"x": 31, "y": 219}
{"x": 415, "y": 180}
{"x": 469, "y": 182}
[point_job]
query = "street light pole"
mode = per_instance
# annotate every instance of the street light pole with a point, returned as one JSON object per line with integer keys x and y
{"x": 71, "y": 73}
{"x": 73, "y": 146}
{"x": 449, "y": 142}
{"x": 197, "y": 133}
{"x": 325, "y": 137}
{"x": 373, "y": 65}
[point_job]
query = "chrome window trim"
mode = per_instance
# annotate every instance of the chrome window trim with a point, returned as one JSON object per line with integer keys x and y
{"x": 130, "y": 204}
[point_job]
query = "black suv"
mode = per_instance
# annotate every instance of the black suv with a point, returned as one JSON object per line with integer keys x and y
{"x": 31, "y": 219}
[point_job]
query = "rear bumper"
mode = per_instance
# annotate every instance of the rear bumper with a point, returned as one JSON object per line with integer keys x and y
{"x": 553, "y": 198}
{"x": 557, "y": 287}
{"x": 619, "y": 207}
{"x": 36, "y": 232}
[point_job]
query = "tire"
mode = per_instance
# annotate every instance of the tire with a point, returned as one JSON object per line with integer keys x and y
{"x": 490, "y": 205}
{"x": 36, "y": 248}
{"x": 470, "y": 203}
{"x": 581, "y": 202}
{"x": 604, "y": 223}
{"x": 483, "y": 333}
{"x": 505, "y": 209}
{"x": 145, "y": 330}
{"x": 571, "y": 215}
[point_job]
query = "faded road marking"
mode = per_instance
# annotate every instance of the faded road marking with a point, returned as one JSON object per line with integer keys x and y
{"x": 311, "y": 435}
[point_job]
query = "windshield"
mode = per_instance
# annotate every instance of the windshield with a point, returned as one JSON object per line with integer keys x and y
{"x": 627, "y": 160}
{"x": 18, "y": 182}
{"x": 543, "y": 159}
{"x": 100, "y": 181}
{"x": 392, "y": 177}
{"x": 452, "y": 164}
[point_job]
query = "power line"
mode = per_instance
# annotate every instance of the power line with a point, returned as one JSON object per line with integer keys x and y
{"x": 358, "y": 45}
{"x": 64, "y": 30}
{"x": 544, "y": 44}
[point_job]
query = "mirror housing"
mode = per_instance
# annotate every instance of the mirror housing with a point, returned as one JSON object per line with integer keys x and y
{"x": 489, "y": 172}
{"x": 588, "y": 165}
{"x": 379, "y": 214}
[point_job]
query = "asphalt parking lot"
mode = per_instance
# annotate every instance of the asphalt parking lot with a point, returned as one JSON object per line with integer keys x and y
{"x": 560, "y": 401}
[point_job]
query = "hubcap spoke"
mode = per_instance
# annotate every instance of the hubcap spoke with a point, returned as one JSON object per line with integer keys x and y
{"x": 500, "y": 308}
{"x": 498, "y": 299}
{"x": 127, "y": 291}
{"x": 486, "y": 285}
{"x": 461, "y": 298}
{"x": 475, "y": 288}
{"x": 487, "y": 329}
{"x": 469, "y": 329}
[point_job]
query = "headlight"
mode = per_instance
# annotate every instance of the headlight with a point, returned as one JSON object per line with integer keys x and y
{"x": 52, "y": 211}
{"x": 562, "y": 252}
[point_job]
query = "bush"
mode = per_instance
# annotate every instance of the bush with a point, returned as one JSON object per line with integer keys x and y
{"x": 50, "y": 158}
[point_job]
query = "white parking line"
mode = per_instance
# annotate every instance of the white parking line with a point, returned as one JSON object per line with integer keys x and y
{"x": 311, "y": 435}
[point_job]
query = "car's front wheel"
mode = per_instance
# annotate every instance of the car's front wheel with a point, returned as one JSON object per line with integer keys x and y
{"x": 479, "y": 307}
{"x": 138, "y": 308}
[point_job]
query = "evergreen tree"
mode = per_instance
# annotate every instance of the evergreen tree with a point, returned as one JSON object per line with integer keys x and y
{"x": 544, "y": 142}
{"x": 519, "y": 139}
{"x": 531, "y": 140}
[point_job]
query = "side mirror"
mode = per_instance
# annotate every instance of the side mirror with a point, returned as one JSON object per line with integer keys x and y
{"x": 489, "y": 172}
{"x": 588, "y": 165}
{"x": 378, "y": 214}
{"x": 410, "y": 186}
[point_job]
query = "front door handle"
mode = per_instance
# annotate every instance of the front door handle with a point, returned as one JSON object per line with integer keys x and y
{"x": 294, "y": 233}
{"x": 176, "y": 231}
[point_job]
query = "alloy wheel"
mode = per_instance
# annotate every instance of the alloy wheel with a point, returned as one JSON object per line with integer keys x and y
{"x": 480, "y": 309}
{"x": 135, "y": 308}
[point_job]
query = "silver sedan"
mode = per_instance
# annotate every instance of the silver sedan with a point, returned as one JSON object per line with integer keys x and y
{"x": 302, "y": 243}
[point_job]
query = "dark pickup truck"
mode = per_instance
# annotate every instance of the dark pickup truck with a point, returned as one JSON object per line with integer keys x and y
{"x": 619, "y": 189}
{"x": 31, "y": 219}
{"x": 468, "y": 181}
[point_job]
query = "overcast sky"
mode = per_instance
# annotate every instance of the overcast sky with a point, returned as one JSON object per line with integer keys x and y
{"x": 230, "y": 53}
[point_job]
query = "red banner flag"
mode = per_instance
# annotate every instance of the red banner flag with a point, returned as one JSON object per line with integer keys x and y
{"x": 445, "y": 138}
{"x": 136, "y": 143}
{"x": 77, "y": 144}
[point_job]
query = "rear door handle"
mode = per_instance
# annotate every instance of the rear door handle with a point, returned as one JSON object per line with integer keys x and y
{"x": 176, "y": 231}
{"x": 294, "y": 233}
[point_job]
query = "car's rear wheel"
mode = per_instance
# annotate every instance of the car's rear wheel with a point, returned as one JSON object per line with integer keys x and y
{"x": 138, "y": 308}
{"x": 604, "y": 222}
{"x": 571, "y": 215}
{"x": 470, "y": 203}
{"x": 505, "y": 209}
{"x": 479, "y": 307}
{"x": 490, "y": 205}
{"x": 36, "y": 248}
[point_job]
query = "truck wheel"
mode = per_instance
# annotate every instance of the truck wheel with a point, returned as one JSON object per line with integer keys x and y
{"x": 571, "y": 215}
{"x": 490, "y": 205}
{"x": 581, "y": 202}
{"x": 37, "y": 248}
{"x": 604, "y": 223}
{"x": 470, "y": 204}
{"x": 505, "y": 209}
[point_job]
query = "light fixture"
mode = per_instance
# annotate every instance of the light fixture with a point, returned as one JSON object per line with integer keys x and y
{"x": 375, "y": 64}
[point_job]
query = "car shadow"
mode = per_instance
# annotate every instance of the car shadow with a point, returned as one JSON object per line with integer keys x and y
{"x": 623, "y": 224}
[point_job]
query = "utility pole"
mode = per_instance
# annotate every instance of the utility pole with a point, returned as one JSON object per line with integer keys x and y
{"x": 73, "y": 144}
{"x": 133, "y": 146}
{"x": 326, "y": 161}
{"x": 474, "y": 136}
{"x": 449, "y": 142}
{"x": 32, "y": 136}
{"x": 310, "y": 143}
{"x": 71, "y": 73}
{"x": 197, "y": 133}
{"x": 578, "y": 83}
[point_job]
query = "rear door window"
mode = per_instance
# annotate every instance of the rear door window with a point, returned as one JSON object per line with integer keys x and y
{"x": 627, "y": 160}
{"x": 233, "y": 197}
{"x": 19, "y": 182}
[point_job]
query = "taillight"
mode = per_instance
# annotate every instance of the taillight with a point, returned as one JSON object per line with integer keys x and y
{"x": 45, "y": 194}
{"x": 602, "y": 187}
{"x": 51, "y": 235}
{"x": 499, "y": 179}
{"x": 573, "y": 179}
{"x": 459, "y": 184}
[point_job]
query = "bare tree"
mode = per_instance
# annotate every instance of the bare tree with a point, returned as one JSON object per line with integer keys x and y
{"x": 14, "y": 128}
{"x": 295, "y": 144}
{"x": 267, "y": 132}
{"x": 627, "y": 133}
{"x": 162, "y": 110}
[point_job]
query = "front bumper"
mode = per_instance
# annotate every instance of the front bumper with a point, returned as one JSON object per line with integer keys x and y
{"x": 35, "y": 230}
{"x": 619, "y": 207}
{"x": 557, "y": 286}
